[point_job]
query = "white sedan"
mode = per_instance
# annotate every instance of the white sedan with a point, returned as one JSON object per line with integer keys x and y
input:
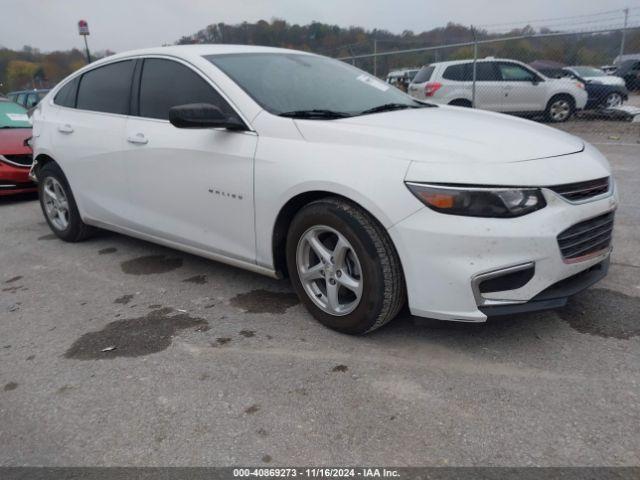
{"x": 292, "y": 164}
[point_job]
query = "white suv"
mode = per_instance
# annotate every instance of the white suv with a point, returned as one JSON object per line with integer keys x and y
{"x": 288, "y": 163}
{"x": 502, "y": 85}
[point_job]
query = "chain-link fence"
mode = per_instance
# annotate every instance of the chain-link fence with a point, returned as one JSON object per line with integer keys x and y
{"x": 584, "y": 81}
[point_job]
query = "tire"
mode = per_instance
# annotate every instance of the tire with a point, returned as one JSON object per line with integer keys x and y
{"x": 60, "y": 213}
{"x": 560, "y": 109}
{"x": 614, "y": 99}
{"x": 461, "y": 103}
{"x": 367, "y": 258}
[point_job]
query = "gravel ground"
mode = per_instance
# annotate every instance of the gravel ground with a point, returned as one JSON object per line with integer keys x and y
{"x": 119, "y": 352}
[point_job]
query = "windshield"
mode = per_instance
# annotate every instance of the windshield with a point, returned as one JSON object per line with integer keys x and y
{"x": 288, "y": 83}
{"x": 589, "y": 72}
{"x": 13, "y": 115}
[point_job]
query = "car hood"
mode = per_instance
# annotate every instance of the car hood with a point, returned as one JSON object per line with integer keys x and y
{"x": 12, "y": 141}
{"x": 608, "y": 80}
{"x": 454, "y": 134}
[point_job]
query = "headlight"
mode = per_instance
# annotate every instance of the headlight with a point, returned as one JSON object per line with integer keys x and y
{"x": 479, "y": 201}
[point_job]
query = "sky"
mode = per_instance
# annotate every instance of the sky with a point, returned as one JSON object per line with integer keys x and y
{"x": 121, "y": 25}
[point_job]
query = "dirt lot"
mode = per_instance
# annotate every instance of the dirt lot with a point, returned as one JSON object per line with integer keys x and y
{"x": 217, "y": 366}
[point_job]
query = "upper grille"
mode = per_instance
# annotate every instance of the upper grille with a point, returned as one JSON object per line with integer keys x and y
{"x": 20, "y": 160}
{"x": 586, "y": 237}
{"x": 576, "y": 192}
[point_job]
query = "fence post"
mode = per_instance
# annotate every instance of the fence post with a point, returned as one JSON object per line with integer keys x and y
{"x": 624, "y": 32}
{"x": 475, "y": 59}
{"x": 375, "y": 57}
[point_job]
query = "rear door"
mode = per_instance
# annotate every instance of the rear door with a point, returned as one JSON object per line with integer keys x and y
{"x": 88, "y": 139}
{"x": 191, "y": 186}
{"x": 524, "y": 90}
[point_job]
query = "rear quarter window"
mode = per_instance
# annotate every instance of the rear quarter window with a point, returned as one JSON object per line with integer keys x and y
{"x": 66, "y": 97}
{"x": 424, "y": 75}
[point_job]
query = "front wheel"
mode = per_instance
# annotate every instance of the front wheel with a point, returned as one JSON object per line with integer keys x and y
{"x": 344, "y": 267}
{"x": 560, "y": 109}
{"x": 614, "y": 99}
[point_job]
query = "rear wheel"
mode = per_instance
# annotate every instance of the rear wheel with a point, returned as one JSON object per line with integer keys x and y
{"x": 59, "y": 206}
{"x": 344, "y": 267}
{"x": 461, "y": 103}
{"x": 560, "y": 109}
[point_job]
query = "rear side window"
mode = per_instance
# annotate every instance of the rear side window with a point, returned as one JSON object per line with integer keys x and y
{"x": 424, "y": 75}
{"x": 106, "y": 89}
{"x": 66, "y": 97}
{"x": 460, "y": 73}
{"x": 165, "y": 84}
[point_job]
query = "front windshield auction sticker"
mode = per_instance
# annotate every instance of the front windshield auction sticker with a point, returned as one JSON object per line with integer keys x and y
{"x": 373, "y": 82}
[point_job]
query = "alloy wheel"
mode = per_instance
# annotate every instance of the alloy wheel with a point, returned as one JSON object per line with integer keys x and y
{"x": 329, "y": 270}
{"x": 613, "y": 100}
{"x": 560, "y": 110}
{"x": 56, "y": 204}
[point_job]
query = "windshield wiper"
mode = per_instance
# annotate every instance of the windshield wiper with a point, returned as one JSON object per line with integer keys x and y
{"x": 316, "y": 113}
{"x": 388, "y": 107}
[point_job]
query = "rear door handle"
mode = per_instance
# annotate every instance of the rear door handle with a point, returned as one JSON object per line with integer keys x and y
{"x": 66, "y": 128}
{"x": 138, "y": 138}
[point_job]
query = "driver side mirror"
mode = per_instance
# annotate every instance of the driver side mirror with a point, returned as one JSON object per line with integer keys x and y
{"x": 203, "y": 115}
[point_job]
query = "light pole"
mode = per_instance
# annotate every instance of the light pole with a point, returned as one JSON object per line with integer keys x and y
{"x": 83, "y": 31}
{"x": 624, "y": 33}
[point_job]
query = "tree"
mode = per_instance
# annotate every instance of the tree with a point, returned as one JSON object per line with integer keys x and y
{"x": 20, "y": 74}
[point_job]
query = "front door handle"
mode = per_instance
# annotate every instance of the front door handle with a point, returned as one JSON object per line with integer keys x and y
{"x": 66, "y": 128}
{"x": 138, "y": 138}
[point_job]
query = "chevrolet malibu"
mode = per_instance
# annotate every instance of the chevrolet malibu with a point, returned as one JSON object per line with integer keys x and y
{"x": 291, "y": 164}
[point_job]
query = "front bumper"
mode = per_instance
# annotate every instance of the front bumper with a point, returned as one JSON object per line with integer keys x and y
{"x": 15, "y": 180}
{"x": 444, "y": 255}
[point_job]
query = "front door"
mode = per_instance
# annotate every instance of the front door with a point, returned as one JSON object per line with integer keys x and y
{"x": 190, "y": 186}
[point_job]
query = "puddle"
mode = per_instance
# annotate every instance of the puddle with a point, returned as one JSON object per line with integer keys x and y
{"x": 151, "y": 264}
{"x": 265, "y": 301}
{"x": 340, "y": 368}
{"x": 197, "y": 279}
{"x": 10, "y": 386}
{"x": 604, "y": 313}
{"x": 247, "y": 333}
{"x": 133, "y": 337}
{"x": 14, "y": 279}
{"x": 123, "y": 300}
{"x": 51, "y": 236}
{"x": 252, "y": 409}
{"x": 108, "y": 250}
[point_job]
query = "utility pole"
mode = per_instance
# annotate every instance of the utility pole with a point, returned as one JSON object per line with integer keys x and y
{"x": 624, "y": 32}
{"x": 375, "y": 57}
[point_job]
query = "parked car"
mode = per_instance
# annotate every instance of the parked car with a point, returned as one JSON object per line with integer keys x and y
{"x": 289, "y": 163}
{"x": 629, "y": 71}
{"x": 502, "y": 85}
{"x": 402, "y": 78}
{"x": 15, "y": 155}
{"x": 595, "y": 75}
{"x": 602, "y": 90}
{"x": 27, "y": 98}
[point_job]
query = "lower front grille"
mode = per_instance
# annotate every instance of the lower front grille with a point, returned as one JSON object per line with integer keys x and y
{"x": 586, "y": 238}
{"x": 18, "y": 160}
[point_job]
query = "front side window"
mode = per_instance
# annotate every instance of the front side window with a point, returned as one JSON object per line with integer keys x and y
{"x": 287, "y": 83}
{"x": 106, "y": 89}
{"x": 165, "y": 84}
{"x": 511, "y": 72}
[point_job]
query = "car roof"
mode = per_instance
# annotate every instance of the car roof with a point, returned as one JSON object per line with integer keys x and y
{"x": 33, "y": 90}
{"x": 198, "y": 50}
{"x": 469, "y": 60}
